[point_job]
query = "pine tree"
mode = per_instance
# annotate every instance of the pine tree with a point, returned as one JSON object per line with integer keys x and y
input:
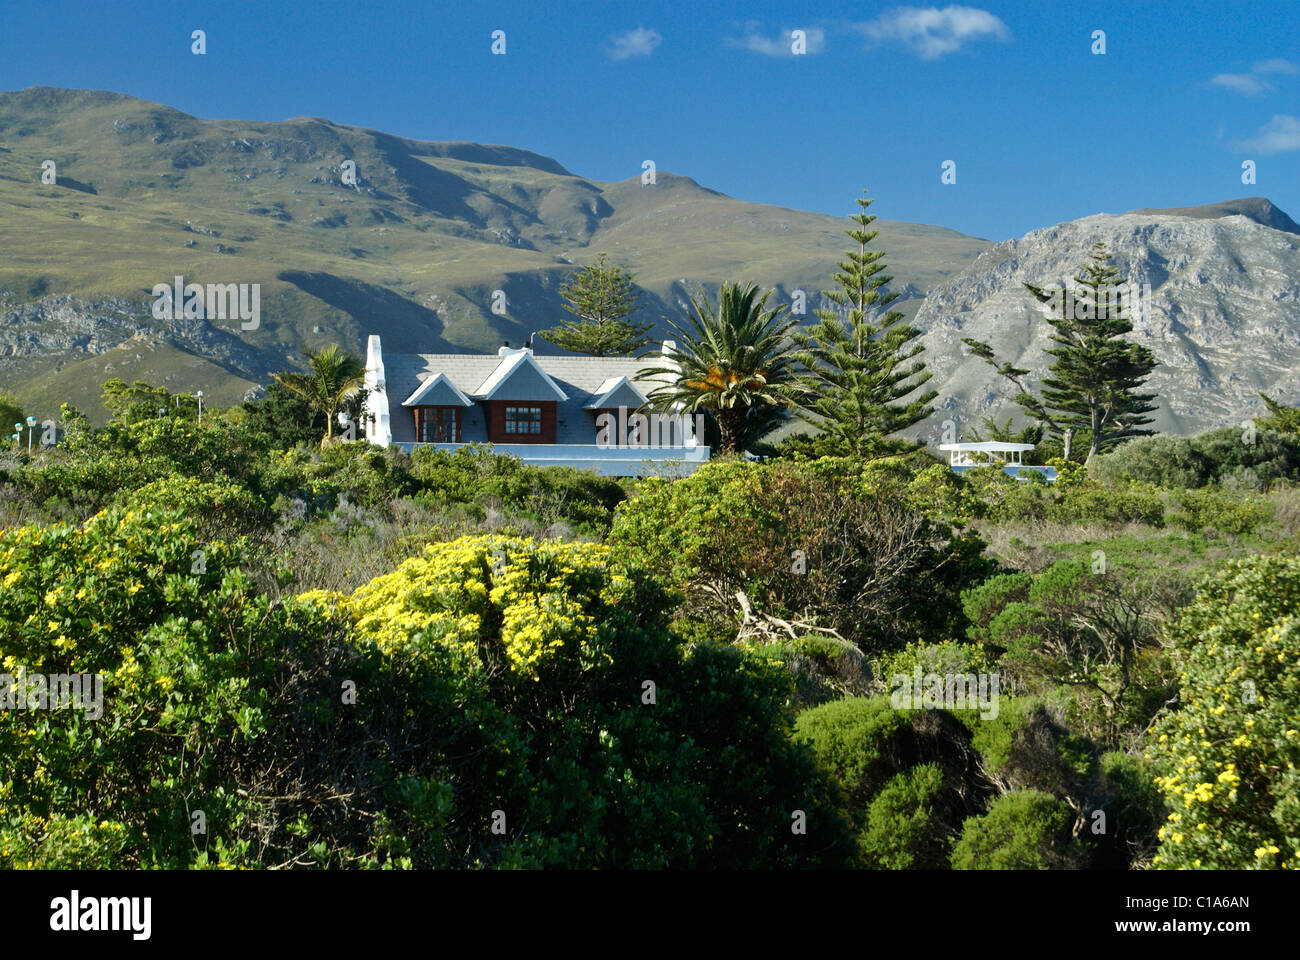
{"x": 1094, "y": 380}
{"x": 601, "y": 296}
{"x": 861, "y": 368}
{"x": 1283, "y": 419}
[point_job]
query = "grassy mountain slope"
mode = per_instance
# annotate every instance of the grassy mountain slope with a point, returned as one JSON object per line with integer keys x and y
{"x": 412, "y": 251}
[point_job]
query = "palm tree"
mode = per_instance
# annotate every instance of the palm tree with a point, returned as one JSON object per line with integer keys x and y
{"x": 735, "y": 362}
{"x": 333, "y": 377}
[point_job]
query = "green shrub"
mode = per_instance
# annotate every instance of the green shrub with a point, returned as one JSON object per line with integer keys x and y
{"x": 218, "y": 507}
{"x": 1128, "y": 797}
{"x": 1226, "y": 455}
{"x": 863, "y": 741}
{"x": 546, "y": 496}
{"x": 1253, "y": 462}
{"x": 1218, "y": 511}
{"x": 904, "y": 830}
{"x": 1161, "y": 460}
{"x": 823, "y": 667}
{"x": 1023, "y": 830}
{"x": 947, "y": 658}
{"x": 1082, "y": 635}
{"x": 910, "y": 777}
{"x": 835, "y": 539}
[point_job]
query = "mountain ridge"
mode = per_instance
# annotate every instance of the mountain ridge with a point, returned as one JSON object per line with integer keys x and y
{"x": 417, "y": 247}
{"x": 413, "y": 250}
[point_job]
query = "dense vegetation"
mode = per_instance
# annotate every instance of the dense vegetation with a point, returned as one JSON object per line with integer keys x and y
{"x": 347, "y": 656}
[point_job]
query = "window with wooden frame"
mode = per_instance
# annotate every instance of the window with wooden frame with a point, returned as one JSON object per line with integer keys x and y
{"x": 437, "y": 424}
{"x": 524, "y": 421}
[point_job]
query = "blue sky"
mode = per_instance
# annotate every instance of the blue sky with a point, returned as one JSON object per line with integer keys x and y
{"x": 1040, "y": 128}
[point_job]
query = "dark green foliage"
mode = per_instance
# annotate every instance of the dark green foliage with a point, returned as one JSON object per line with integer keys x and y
{"x": 1229, "y": 456}
{"x": 282, "y": 420}
{"x": 1023, "y": 830}
{"x": 1089, "y": 631}
{"x": 823, "y": 668}
{"x": 837, "y": 540}
{"x": 903, "y": 831}
{"x": 601, "y": 296}
{"x": 1134, "y": 810}
{"x": 1285, "y": 420}
{"x": 910, "y": 777}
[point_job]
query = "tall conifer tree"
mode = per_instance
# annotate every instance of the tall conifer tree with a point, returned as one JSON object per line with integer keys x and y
{"x": 861, "y": 367}
{"x": 601, "y": 297}
{"x": 1095, "y": 379}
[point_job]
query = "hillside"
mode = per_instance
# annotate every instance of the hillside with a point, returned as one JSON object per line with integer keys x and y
{"x": 412, "y": 251}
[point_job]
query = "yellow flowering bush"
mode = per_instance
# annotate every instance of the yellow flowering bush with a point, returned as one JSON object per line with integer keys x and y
{"x": 492, "y": 702}
{"x": 1231, "y": 754}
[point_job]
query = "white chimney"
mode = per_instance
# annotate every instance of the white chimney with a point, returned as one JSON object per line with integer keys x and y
{"x": 378, "y": 428}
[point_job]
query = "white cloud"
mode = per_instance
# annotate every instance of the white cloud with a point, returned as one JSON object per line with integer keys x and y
{"x": 930, "y": 32}
{"x": 1246, "y": 84}
{"x": 1279, "y": 135}
{"x": 640, "y": 42}
{"x": 1276, "y": 66}
{"x": 780, "y": 46}
{"x": 1250, "y": 84}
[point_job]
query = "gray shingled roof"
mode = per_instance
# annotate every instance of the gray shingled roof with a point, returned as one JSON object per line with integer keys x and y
{"x": 579, "y": 377}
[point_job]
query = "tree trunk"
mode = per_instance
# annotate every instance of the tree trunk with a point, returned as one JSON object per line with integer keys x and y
{"x": 730, "y": 421}
{"x": 1068, "y": 442}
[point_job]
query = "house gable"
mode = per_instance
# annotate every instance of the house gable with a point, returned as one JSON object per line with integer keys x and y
{"x": 520, "y": 378}
{"x": 617, "y": 392}
{"x": 437, "y": 391}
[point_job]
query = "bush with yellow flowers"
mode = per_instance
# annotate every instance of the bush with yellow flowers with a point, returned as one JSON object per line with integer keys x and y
{"x": 1231, "y": 753}
{"x": 493, "y": 702}
{"x": 139, "y": 601}
{"x": 600, "y": 739}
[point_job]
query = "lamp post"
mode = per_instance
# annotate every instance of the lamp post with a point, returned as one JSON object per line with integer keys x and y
{"x": 18, "y": 435}
{"x": 31, "y": 429}
{"x": 200, "y": 397}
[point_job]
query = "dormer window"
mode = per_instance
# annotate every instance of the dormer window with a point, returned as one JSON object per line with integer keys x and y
{"x": 437, "y": 424}
{"x": 524, "y": 421}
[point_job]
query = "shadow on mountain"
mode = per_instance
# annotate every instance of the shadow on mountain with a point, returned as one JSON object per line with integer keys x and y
{"x": 435, "y": 190}
{"x": 402, "y": 322}
{"x": 71, "y": 184}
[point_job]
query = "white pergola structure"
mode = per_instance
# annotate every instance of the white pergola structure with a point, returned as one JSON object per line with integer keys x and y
{"x": 993, "y": 451}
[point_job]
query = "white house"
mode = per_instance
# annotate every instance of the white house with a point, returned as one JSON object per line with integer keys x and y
{"x": 576, "y": 411}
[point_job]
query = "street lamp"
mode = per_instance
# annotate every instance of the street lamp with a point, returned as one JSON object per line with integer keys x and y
{"x": 18, "y": 435}
{"x": 200, "y": 396}
{"x": 31, "y": 429}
